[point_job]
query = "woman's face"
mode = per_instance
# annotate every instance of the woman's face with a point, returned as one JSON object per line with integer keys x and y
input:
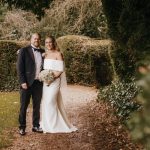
{"x": 48, "y": 43}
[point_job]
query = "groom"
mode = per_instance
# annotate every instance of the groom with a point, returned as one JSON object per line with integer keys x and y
{"x": 29, "y": 65}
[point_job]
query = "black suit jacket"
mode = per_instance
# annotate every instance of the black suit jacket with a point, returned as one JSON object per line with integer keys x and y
{"x": 26, "y": 65}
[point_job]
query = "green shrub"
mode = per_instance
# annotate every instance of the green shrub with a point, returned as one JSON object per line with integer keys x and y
{"x": 124, "y": 62}
{"x": 80, "y": 17}
{"x": 139, "y": 123}
{"x": 121, "y": 96}
{"x": 87, "y": 60}
{"x": 128, "y": 23}
{"x": 8, "y": 74}
{"x": 17, "y": 24}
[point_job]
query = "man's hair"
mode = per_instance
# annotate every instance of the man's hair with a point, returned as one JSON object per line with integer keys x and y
{"x": 36, "y": 34}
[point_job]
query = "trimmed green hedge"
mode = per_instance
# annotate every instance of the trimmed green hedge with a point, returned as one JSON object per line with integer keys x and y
{"x": 8, "y": 74}
{"x": 87, "y": 60}
{"x": 125, "y": 62}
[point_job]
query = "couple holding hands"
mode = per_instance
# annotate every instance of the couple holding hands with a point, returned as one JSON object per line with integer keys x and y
{"x": 49, "y": 114}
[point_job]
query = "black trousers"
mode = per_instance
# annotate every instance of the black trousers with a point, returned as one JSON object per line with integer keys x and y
{"x": 35, "y": 90}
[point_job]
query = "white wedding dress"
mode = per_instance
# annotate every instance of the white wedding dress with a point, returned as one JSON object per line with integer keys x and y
{"x": 53, "y": 115}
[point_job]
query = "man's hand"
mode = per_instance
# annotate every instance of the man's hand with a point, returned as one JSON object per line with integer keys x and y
{"x": 24, "y": 86}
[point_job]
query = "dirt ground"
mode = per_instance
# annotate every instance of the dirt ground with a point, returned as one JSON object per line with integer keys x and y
{"x": 98, "y": 129}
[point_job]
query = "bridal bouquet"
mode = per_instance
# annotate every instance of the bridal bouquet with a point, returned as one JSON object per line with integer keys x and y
{"x": 46, "y": 76}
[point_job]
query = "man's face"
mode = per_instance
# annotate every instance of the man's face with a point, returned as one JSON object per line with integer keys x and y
{"x": 35, "y": 40}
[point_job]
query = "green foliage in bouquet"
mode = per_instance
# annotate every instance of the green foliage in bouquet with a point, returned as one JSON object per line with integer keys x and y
{"x": 121, "y": 96}
{"x": 87, "y": 60}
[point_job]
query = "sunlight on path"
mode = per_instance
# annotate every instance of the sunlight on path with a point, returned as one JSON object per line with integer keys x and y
{"x": 76, "y": 98}
{"x": 79, "y": 95}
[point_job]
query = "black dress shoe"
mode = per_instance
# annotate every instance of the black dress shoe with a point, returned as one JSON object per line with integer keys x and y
{"x": 37, "y": 129}
{"x": 22, "y": 132}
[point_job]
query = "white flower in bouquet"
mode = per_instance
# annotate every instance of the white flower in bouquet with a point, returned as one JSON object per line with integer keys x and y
{"x": 46, "y": 76}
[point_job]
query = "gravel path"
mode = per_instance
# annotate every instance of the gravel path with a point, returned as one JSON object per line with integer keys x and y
{"x": 76, "y": 99}
{"x": 98, "y": 128}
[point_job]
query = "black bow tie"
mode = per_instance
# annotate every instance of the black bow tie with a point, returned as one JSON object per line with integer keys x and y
{"x": 36, "y": 49}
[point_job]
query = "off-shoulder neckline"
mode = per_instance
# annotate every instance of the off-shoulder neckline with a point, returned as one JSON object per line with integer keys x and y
{"x": 53, "y": 59}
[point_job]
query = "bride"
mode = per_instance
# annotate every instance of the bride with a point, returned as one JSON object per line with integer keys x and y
{"x": 53, "y": 115}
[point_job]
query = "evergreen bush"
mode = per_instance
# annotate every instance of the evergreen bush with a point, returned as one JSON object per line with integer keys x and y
{"x": 124, "y": 63}
{"x": 140, "y": 120}
{"x": 129, "y": 25}
{"x": 121, "y": 96}
{"x": 87, "y": 60}
{"x": 8, "y": 57}
{"x": 80, "y": 17}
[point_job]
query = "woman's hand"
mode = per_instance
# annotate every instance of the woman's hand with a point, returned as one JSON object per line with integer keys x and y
{"x": 57, "y": 74}
{"x": 43, "y": 54}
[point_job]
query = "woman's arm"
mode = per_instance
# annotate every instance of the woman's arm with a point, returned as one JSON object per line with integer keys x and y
{"x": 58, "y": 73}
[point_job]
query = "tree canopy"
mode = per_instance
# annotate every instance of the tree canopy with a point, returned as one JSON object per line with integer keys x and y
{"x": 129, "y": 22}
{"x": 35, "y": 6}
{"x": 74, "y": 17}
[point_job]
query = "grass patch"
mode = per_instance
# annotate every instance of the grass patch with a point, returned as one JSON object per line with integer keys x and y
{"x": 9, "y": 107}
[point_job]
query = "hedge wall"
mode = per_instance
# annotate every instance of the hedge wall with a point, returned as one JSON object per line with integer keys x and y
{"x": 87, "y": 60}
{"x": 125, "y": 62}
{"x": 8, "y": 74}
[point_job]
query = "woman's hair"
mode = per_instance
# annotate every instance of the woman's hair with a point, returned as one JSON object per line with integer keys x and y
{"x": 54, "y": 43}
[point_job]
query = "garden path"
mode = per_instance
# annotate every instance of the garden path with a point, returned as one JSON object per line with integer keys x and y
{"x": 98, "y": 129}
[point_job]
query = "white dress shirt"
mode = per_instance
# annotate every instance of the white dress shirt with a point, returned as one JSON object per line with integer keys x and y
{"x": 38, "y": 61}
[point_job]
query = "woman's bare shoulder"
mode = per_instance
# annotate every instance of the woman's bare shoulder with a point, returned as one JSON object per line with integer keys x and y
{"x": 59, "y": 55}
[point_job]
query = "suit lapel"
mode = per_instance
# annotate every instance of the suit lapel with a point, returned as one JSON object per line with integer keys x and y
{"x": 42, "y": 65}
{"x": 31, "y": 53}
